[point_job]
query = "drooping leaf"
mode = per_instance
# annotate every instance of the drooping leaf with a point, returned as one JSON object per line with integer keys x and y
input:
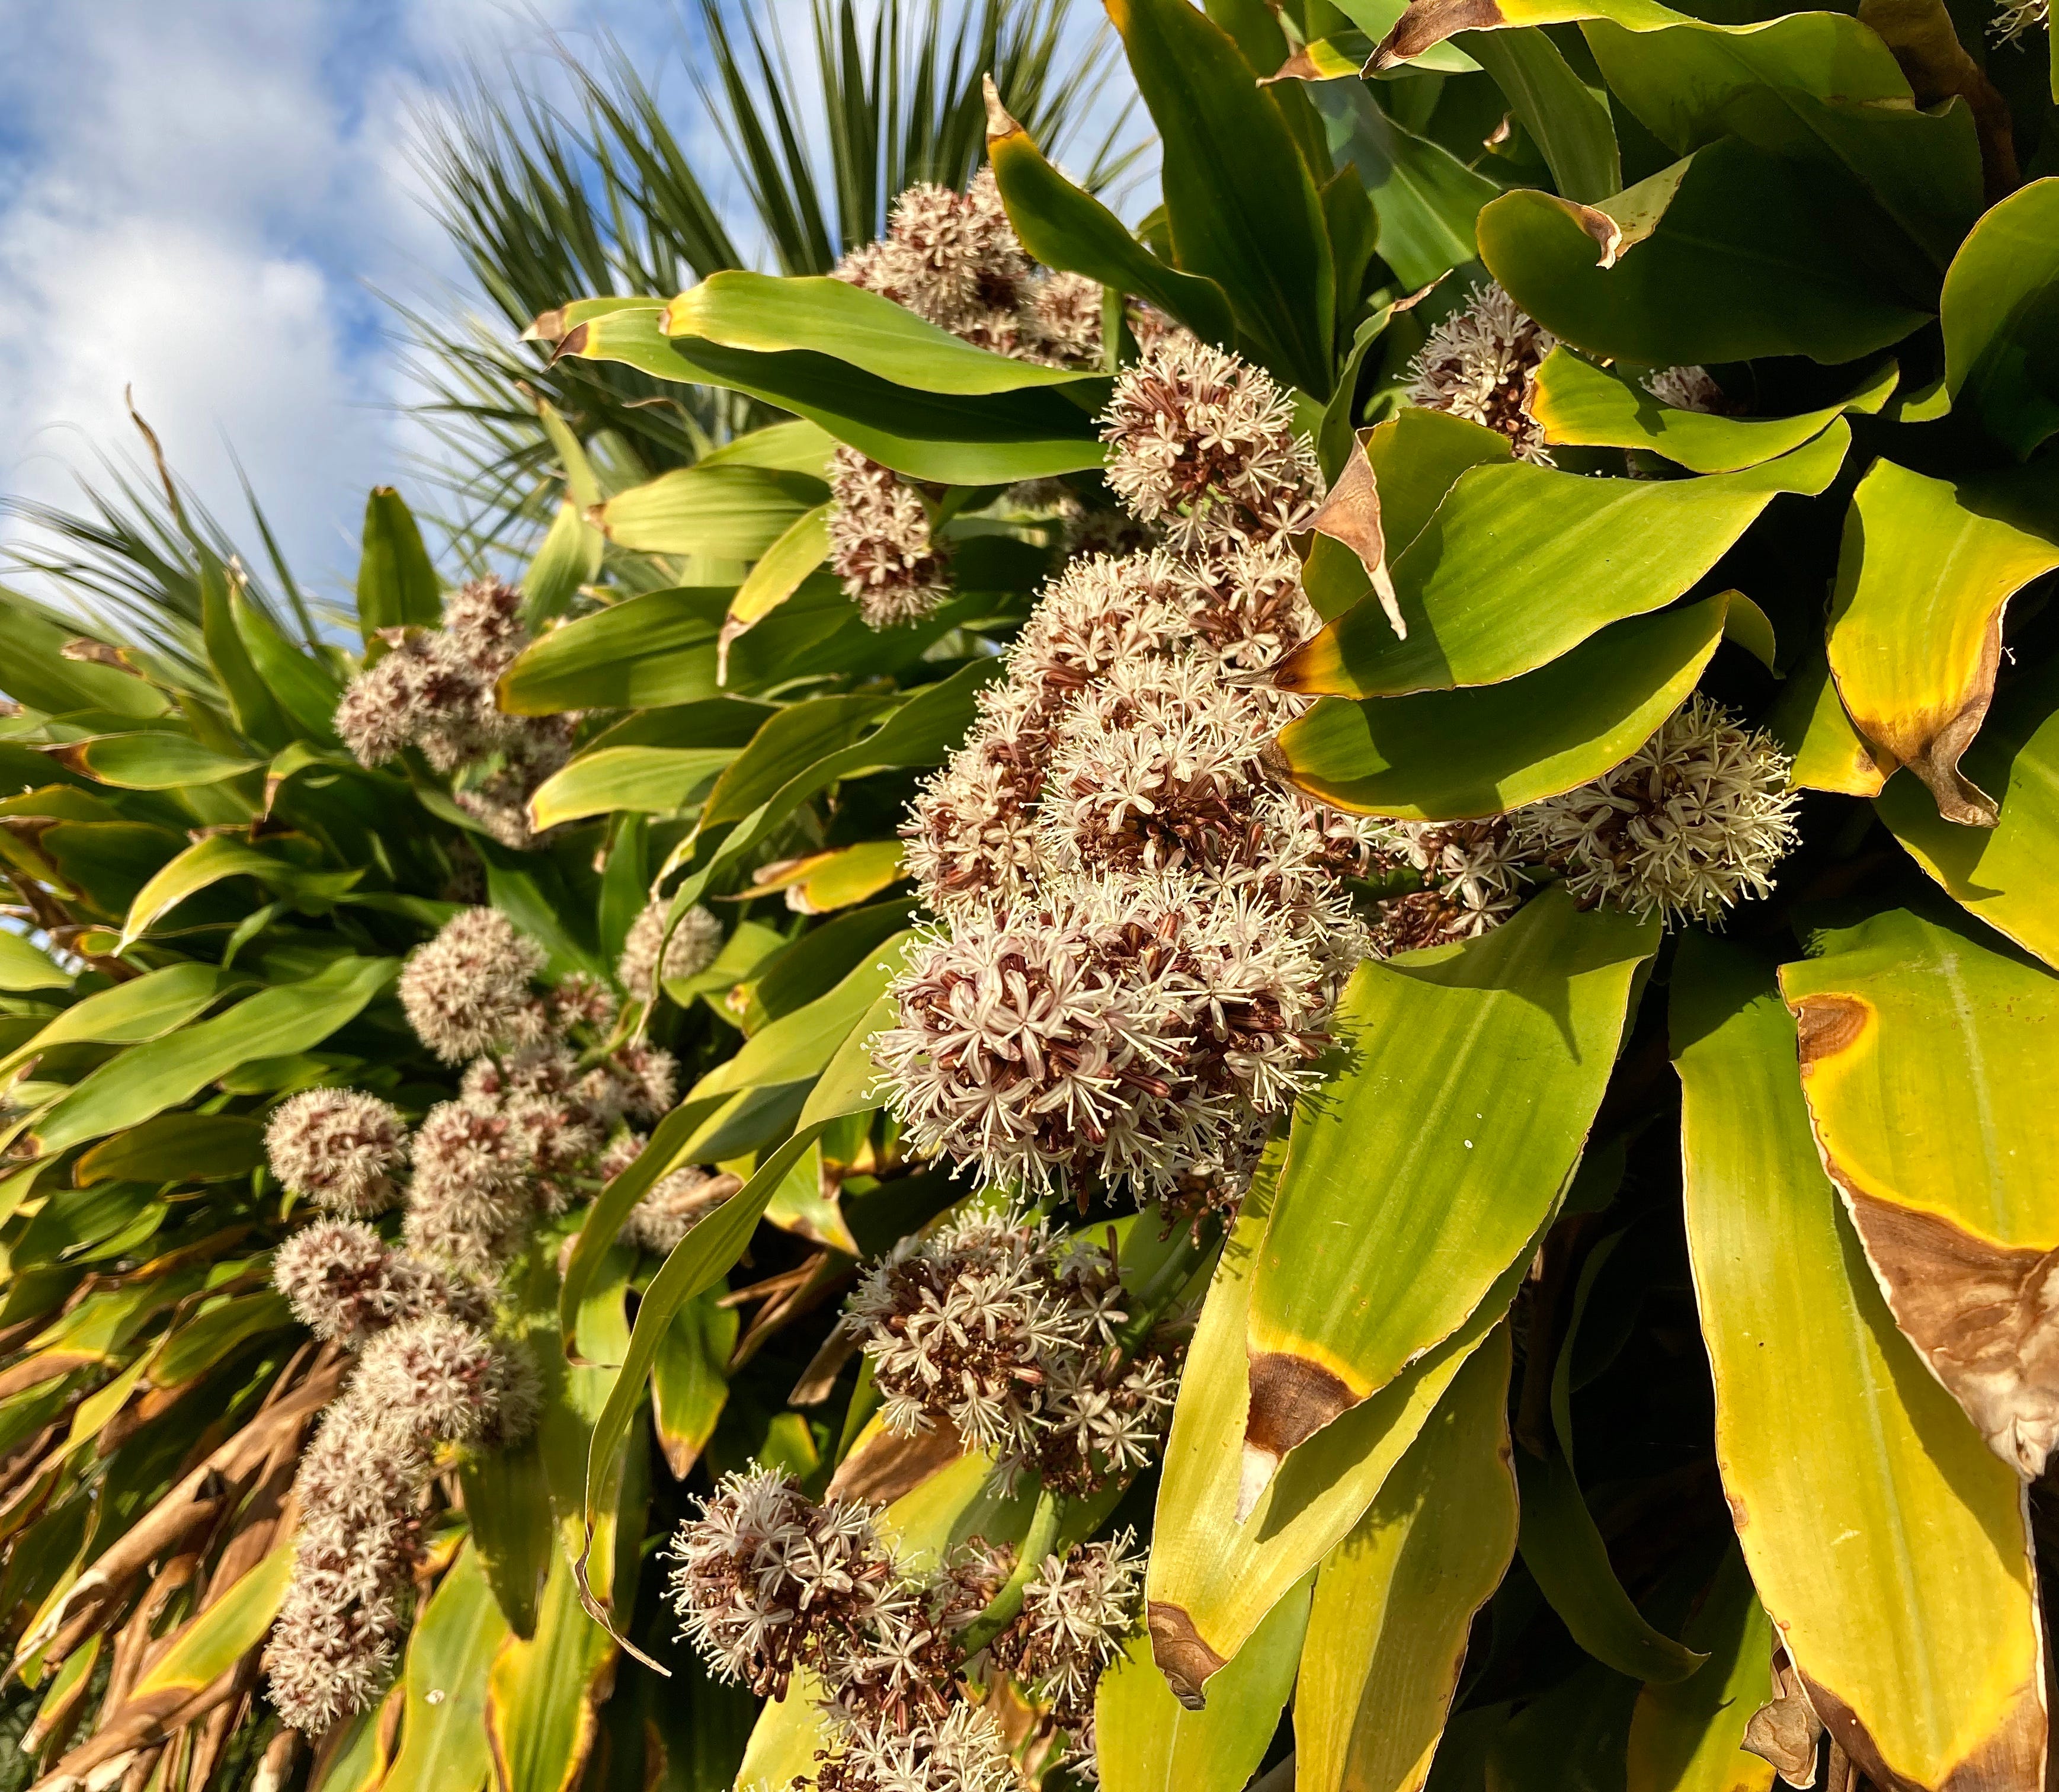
{"x": 1818, "y": 87}
{"x": 2005, "y": 874}
{"x": 23, "y": 967}
{"x": 1930, "y": 1120}
{"x": 156, "y": 1003}
{"x": 1425, "y": 199}
{"x": 1687, "y": 1736}
{"x": 1395, "y": 1601}
{"x": 1068, "y": 229}
{"x": 1926, "y": 570}
{"x": 1472, "y": 587}
{"x": 1729, "y": 254}
{"x": 1471, "y": 1081}
{"x": 993, "y": 439}
{"x": 1578, "y": 403}
{"x": 1444, "y": 754}
{"x": 720, "y": 513}
{"x": 1839, "y": 1453}
{"x": 646, "y": 651}
{"x": 738, "y": 310}
{"x": 1568, "y": 120}
{"x": 1809, "y": 719}
{"x": 1146, "y": 1740}
{"x": 2000, "y": 302}
{"x": 206, "y": 862}
{"x": 644, "y": 780}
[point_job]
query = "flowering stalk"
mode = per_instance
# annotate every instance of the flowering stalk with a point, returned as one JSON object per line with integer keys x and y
{"x": 999, "y": 1612}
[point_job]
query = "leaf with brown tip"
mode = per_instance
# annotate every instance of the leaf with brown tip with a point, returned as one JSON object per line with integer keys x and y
{"x": 1927, "y": 569}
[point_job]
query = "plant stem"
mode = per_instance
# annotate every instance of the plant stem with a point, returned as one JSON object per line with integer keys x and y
{"x": 1001, "y": 1609}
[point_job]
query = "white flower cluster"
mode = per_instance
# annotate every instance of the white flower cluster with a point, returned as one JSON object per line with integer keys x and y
{"x": 422, "y": 1387}
{"x": 1009, "y": 1336}
{"x": 434, "y": 689}
{"x": 952, "y": 259}
{"x": 1693, "y": 822}
{"x": 1139, "y": 934}
{"x": 540, "y": 1118}
{"x": 767, "y": 1583}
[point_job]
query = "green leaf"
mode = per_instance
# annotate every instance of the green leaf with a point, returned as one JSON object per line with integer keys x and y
{"x": 1242, "y": 210}
{"x": 690, "y": 1379}
{"x": 150, "y": 762}
{"x": 23, "y": 967}
{"x": 214, "y": 1333}
{"x": 39, "y": 676}
{"x": 1146, "y": 1741}
{"x": 702, "y": 1258}
{"x": 252, "y": 704}
{"x": 2000, "y": 302}
{"x": 1818, "y": 87}
{"x": 649, "y": 780}
{"x": 175, "y": 1147}
{"x": 507, "y": 1500}
{"x": 797, "y": 446}
{"x": 232, "y": 1624}
{"x": 797, "y": 1045}
{"x": 1570, "y": 1562}
{"x": 790, "y": 741}
{"x": 742, "y": 310}
{"x": 780, "y": 570}
{"x": 1688, "y": 1736}
{"x": 1446, "y": 754}
{"x": 543, "y": 1693}
{"x": 1395, "y": 1601}
{"x": 655, "y": 649}
{"x": 149, "y": 1078}
{"x": 208, "y": 861}
{"x": 1578, "y": 403}
{"x": 1924, "y": 574}
{"x": 924, "y": 730}
{"x": 1472, "y": 1079}
{"x": 127, "y": 1014}
{"x": 306, "y": 689}
{"x": 1067, "y": 228}
{"x": 1729, "y": 255}
{"x": 398, "y": 588}
{"x": 443, "y": 1744}
{"x": 992, "y": 439}
{"x": 1568, "y": 120}
{"x": 1212, "y": 1578}
{"x": 2005, "y": 874}
{"x": 1857, "y": 1486}
{"x": 723, "y": 513}
{"x": 1425, "y": 201}
{"x": 568, "y": 557}
{"x": 1521, "y": 564}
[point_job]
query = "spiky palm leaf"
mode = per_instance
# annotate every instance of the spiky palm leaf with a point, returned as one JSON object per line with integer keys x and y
{"x": 603, "y": 194}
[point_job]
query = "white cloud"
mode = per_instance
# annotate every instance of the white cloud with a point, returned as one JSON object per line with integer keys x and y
{"x": 201, "y": 199}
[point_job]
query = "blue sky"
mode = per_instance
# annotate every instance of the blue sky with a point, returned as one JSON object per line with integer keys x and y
{"x": 202, "y": 197}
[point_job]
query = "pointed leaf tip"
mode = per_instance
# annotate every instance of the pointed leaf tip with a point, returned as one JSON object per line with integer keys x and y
{"x": 999, "y": 123}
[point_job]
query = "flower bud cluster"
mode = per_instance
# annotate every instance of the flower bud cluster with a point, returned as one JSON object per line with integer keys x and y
{"x": 434, "y": 689}
{"x": 424, "y": 1385}
{"x": 1012, "y": 1337}
{"x": 531, "y": 1129}
{"x": 1141, "y": 933}
{"x": 768, "y": 1584}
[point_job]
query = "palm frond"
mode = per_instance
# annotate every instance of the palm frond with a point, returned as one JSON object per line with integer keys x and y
{"x": 598, "y": 193}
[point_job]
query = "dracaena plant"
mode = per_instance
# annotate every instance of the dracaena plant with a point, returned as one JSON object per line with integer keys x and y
{"x": 1517, "y": 839}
